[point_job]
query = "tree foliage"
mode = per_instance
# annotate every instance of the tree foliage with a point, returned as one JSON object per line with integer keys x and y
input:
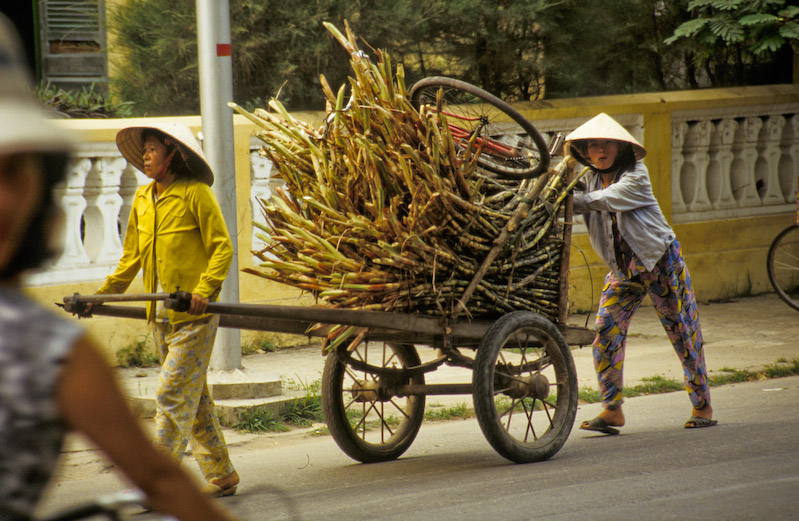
{"x": 734, "y": 37}
{"x": 516, "y": 49}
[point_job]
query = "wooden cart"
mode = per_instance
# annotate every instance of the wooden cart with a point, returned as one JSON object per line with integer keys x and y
{"x": 524, "y": 383}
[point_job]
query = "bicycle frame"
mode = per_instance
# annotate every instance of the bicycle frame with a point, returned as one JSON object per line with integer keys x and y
{"x": 489, "y": 145}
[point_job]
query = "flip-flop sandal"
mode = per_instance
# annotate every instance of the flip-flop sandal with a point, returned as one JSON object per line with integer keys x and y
{"x": 599, "y": 425}
{"x": 698, "y": 422}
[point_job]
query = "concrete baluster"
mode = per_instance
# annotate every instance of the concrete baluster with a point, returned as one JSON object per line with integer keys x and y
{"x": 789, "y": 160}
{"x": 742, "y": 171}
{"x": 73, "y": 203}
{"x": 719, "y": 185}
{"x": 678, "y": 131}
{"x": 693, "y": 179}
{"x": 102, "y": 235}
{"x": 768, "y": 163}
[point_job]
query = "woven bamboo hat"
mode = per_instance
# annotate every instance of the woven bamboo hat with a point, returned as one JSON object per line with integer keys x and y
{"x": 600, "y": 126}
{"x": 25, "y": 125}
{"x": 130, "y": 142}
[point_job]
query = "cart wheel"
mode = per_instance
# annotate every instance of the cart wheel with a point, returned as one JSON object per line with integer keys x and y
{"x": 368, "y": 422}
{"x": 525, "y": 387}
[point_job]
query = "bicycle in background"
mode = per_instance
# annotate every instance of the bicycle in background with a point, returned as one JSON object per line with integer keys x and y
{"x": 783, "y": 262}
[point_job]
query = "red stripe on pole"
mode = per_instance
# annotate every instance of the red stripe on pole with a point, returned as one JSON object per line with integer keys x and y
{"x": 223, "y": 49}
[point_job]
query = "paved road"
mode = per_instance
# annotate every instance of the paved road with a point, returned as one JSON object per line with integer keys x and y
{"x": 745, "y": 468}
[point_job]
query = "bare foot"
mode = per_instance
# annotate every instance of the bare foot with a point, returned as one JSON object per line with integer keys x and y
{"x": 231, "y": 480}
{"x": 705, "y": 412}
{"x": 614, "y": 417}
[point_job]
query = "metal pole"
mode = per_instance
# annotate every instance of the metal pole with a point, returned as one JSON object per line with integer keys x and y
{"x": 216, "y": 90}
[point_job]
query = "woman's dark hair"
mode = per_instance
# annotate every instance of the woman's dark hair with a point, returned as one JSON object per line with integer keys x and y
{"x": 189, "y": 167}
{"x": 626, "y": 158}
{"x": 35, "y": 247}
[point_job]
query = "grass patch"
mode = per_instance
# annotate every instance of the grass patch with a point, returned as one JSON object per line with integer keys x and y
{"x": 658, "y": 384}
{"x": 438, "y": 412}
{"x": 261, "y": 419}
{"x": 355, "y": 417}
{"x": 261, "y": 345}
{"x": 783, "y": 368}
{"x": 139, "y": 354}
{"x": 302, "y": 412}
{"x": 588, "y": 395}
{"x": 654, "y": 385}
{"x": 730, "y": 376}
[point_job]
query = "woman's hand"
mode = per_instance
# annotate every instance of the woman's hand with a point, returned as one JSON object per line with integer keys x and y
{"x": 198, "y": 305}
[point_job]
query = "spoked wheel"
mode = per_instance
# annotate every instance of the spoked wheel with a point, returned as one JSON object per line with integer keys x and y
{"x": 783, "y": 265}
{"x": 525, "y": 387}
{"x": 367, "y": 421}
{"x": 509, "y": 145}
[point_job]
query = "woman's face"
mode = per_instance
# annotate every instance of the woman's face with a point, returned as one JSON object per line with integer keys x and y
{"x": 20, "y": 195}
{"x": 602, "y": 152}
{"x": 155, "y": 154}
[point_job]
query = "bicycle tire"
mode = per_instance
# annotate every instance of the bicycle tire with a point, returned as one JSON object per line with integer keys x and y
{"x": 783, "y": 265}
{"x": 505, "y": 125}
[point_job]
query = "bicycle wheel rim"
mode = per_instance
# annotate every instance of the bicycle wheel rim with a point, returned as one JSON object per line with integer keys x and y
{"x": 508, "y": 144}
{"x": 783, "y": 265}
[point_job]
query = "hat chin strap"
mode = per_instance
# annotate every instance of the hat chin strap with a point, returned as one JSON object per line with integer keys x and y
{"x": 160, "y": 175}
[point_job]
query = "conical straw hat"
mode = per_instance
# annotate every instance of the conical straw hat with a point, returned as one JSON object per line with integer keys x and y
{"x": 25, "y": 125}
{"x": 130, "y": 142}
{"x": 602, "y": 126}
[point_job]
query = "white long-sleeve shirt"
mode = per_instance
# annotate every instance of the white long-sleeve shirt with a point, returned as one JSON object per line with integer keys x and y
{"x": 638, "y": 216}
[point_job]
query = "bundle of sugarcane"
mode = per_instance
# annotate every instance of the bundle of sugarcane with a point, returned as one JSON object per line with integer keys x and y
{"x": 382, "y": 211}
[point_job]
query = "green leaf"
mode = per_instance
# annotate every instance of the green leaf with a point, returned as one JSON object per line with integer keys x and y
{"x": 758, "y": 19}
{"x": 727, "y": 28}
{"x": 694, "y": 4}
{"x": 770, "y": 43}
{"x": 688, "y": 29}
{"x": 790, "y": 31}
{"x": 726, "y": 5}
{"x": 720, "y": 5}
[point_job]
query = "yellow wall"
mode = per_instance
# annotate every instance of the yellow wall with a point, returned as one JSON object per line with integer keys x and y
{"x": 726, "y": 258}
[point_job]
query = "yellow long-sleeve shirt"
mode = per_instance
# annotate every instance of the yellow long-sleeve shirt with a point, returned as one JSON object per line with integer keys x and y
{"x": 180, "y": 240}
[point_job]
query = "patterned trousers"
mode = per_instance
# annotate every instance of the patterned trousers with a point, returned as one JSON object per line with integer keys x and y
{"x": 184, "y": 407}
{"x": 669, "y": 287}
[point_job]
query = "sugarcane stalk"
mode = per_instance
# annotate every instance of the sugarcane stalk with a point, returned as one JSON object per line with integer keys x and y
{"x": 499, "y": 243}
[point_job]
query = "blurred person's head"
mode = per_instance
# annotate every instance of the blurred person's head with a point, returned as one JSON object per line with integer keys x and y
{"x": 33, "y": 157}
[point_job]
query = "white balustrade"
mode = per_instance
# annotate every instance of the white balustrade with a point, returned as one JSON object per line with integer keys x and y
{"x": 732, "y": 163}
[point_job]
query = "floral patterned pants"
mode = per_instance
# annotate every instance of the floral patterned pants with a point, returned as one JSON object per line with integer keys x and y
{"x": 184, "y": 407}
{"x": 669, "y": 287}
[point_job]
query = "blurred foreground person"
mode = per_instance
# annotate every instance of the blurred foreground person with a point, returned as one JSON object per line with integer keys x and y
{"x": 52, "y": 376}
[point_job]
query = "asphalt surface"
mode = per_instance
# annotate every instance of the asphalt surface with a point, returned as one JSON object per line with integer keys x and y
{"x": 742, "y": 469}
